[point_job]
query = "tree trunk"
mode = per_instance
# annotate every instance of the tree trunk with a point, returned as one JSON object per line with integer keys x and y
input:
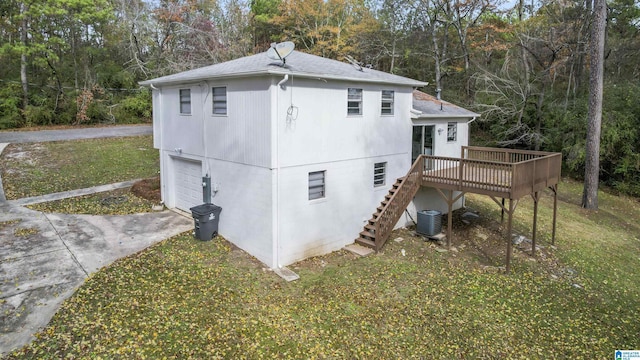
{"x": 23, "y": 56}
{"x": 592, "y": 161}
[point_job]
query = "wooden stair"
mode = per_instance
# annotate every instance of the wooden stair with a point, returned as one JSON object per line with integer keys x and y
{"x": 368, "y": 235}
{"x": 378, "y": 228}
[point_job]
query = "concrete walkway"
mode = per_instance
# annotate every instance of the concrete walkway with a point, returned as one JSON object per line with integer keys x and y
{"x": 74, "y": 134}
{"x": 70, "y": 194}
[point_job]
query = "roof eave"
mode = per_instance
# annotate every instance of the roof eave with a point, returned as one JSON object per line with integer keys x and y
{"x": 160, "y": 82}
{"x": 443, "y": 116}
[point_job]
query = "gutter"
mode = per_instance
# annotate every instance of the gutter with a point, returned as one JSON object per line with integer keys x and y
{"x": 201, "y": 77}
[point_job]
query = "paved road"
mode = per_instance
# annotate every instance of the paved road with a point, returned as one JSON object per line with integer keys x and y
{"x": 74, "y": 134}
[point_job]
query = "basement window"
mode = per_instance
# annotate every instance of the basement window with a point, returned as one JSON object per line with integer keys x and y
{"x": 185, "y": 101}
{"x": 219, "y": 95}
{"x": 316, "y": 185}
{"x": 379, "y": 174}
{"x": 452, "y": 131}
{"x": 387, "y": 102}
{"x": 354, "y": 101}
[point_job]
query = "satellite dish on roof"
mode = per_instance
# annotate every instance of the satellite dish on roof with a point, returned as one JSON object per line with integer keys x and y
{"x": 280, "y": 51}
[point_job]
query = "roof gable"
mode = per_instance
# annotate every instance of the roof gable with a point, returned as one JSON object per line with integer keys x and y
{"x": 297, "y": 64}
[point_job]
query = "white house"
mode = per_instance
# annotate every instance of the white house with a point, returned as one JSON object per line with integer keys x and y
{"x": 299, "y": 155}
{"x": 439, "y": 128}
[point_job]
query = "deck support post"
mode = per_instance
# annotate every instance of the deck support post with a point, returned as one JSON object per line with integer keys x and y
{"x": 502, "y": 213}
{"x": 450, "y": 220}
{"x": 555, "y": 211}
{"x": 535, "y": 197}
{"x": 509, "y": 240}
{"x": 450, "y": 199}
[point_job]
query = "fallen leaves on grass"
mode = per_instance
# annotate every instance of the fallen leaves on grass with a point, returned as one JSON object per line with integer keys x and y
{"x": 116, "y": 202}
{"x": 186, "y": 298}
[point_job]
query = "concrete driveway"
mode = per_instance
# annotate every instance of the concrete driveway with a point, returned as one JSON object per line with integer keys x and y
{"x": 45, "y": 257}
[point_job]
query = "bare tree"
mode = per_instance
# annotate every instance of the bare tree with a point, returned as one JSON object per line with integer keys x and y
{"x": 592, "y": 156}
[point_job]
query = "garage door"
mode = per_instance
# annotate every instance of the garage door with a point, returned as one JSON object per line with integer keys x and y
{"x": 187, "y": 183}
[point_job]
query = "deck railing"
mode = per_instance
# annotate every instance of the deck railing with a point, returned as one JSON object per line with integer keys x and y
{"x": 501, "y": 155}
{"x": 391, "y": 212}
{"x": 501, "y": 172}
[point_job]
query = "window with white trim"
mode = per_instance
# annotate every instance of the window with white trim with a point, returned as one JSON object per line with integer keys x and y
{"x": 219, "y": 96}
{"x": 354, "y": 101}
{"x": 452, "y": 131}
{"x": 185, "y": 101}
{"x": 316, "y": 185}
{"x": 379, "y": 173}
{"x": 386, "y": 107}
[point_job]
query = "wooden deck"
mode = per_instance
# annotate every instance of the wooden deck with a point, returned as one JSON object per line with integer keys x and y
{"x": 512, "y": 175}
{"x": 498, "y": 173}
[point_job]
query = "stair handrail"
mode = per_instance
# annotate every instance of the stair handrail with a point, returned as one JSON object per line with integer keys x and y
{"x": 405, "y": 193}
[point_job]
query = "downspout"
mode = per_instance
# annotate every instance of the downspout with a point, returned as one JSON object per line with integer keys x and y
{"x": 284, "y": 80}
{"x": 204, "y": 138}
{"x": 464, "y": 198}
{"x": 163, "y": 165}
{"x": 276, "y": 239}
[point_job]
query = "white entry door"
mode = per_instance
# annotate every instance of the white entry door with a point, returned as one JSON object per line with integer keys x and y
{"x": 187, "y": 183}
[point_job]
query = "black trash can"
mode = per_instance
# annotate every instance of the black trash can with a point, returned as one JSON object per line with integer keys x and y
{"x": 206, "y": 217}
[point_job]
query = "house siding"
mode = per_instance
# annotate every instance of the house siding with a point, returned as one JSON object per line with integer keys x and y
{"x": 428, "y": 198}
{"x": 324, "y": 132}
{"x": 244, "y": 193}
{"x": 324, "y": 138}
{"x": 242, "y": 136}
{"x": 315, "y": 227}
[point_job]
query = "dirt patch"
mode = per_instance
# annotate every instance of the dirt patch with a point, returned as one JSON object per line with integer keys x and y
{"x": 18, "y": 158}
{"x": 148, "y": 189}
{"x": 478, "y": 243}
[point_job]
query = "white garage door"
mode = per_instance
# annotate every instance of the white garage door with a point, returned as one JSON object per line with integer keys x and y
{"x": 187, "y": 183}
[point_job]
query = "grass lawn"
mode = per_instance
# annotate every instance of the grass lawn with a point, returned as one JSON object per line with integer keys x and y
{"x": 116, "y": 202}
{"x": 44, "y": 168}
{"x": 185, "y": 298}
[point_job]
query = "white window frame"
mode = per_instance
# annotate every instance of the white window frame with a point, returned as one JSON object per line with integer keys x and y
{"x": 182, "y": 102}
{"x": 379, "y": 174}
{"x": 317, "y": 188}
{"x": 220, "y": 99}
{"x": 387, "y": 103}
{"x": 354, "y": 101}
{"x": 452, "y": 131}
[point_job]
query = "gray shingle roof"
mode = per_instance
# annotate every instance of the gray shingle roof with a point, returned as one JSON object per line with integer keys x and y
{"x": 298, "y": 64}
{"x": 430, "y": 107}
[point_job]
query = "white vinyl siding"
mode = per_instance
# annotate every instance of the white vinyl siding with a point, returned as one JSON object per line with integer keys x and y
{"x": 316, "y": 185}
{"x": 354, "y": 101}
{"x": 386, "y": 106}
{"x": 219, "y": 96}
{"x": 379, "y": 173}
{"x": 452, "y": 131}
{"x": 185, "y": 101}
